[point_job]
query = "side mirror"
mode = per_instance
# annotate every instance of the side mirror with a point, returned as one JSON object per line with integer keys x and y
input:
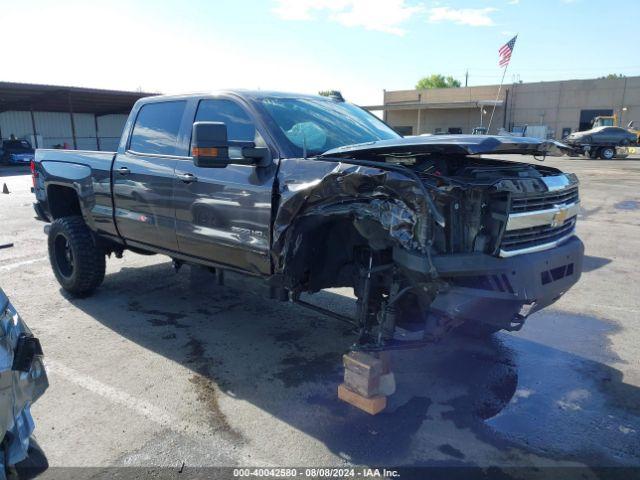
{"x": 210, "y": 148}
{"x": 209, "y": 145}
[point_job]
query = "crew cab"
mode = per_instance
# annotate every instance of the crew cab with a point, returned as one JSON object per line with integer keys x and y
{"x": 307, "y": 193}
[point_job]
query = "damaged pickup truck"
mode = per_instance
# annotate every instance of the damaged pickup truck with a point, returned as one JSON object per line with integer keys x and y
{"x": 310, "y": 193}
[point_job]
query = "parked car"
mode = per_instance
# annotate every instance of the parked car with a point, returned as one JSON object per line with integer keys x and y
{"x": 17, "y": 152}
{"x": 307, "y": 193}
{"x": 601, "y": 141}
{"x": 24, "y": 381}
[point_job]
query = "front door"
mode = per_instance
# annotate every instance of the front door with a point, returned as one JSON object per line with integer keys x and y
{"x": 224, "y": 214}
{"x": 143, "y": 176}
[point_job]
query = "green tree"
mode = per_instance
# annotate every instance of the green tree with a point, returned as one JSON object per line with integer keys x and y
{"x": 613, "y": 76}
{"x": 437, "y": 81}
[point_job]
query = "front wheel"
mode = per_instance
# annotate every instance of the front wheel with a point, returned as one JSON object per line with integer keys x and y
{"x": 77, "y": 262}
{"x": 607, "y": 153}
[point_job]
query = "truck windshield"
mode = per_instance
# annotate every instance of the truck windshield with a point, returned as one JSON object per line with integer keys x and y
{"x": 313, "y": 126}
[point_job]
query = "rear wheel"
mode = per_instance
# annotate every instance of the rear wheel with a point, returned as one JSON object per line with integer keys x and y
{"x": 607, "y": 153}
{"x": 77, "y": 263}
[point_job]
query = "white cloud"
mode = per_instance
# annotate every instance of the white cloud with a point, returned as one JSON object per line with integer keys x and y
{"x": 380, "y": 15}
{"x": 513, "y": 2}
{"x": 475, "y": 17}
{"x": 99, "y": 60}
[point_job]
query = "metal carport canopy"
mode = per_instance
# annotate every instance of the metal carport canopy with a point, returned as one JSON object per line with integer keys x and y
{"x": 53, "y": 98}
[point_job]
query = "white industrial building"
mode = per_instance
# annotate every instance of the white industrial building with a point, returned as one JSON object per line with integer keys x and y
{"x": 64, "y": 117}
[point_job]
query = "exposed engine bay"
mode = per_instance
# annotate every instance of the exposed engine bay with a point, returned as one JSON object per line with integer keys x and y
{"x": 433, "y": 241}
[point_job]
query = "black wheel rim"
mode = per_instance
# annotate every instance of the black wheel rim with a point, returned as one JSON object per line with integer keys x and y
{"x": 64, "y": 256}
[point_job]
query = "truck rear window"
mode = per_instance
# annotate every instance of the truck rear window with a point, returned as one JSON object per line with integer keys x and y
{"x": 157, "y": 127}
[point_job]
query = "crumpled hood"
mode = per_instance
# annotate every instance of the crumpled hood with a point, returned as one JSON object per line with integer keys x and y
{"x": 451, "y": 145}
{"x": 23, "y": 380}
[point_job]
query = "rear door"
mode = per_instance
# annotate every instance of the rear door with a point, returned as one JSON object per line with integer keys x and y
{"x": 224, "y": 214}
{"x": 143, "y": 176}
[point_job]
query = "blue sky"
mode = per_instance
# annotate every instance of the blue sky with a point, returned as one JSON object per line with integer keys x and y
{"x": 357, "y": 46}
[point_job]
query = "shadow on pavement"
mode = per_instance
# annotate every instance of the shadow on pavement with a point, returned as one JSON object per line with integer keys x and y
{"x": 548, "y": 392}
{"x": 13, "y": 170}
{"x": 591, "y": 263}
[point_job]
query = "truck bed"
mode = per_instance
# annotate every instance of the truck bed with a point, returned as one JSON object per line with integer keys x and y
{"x": 83, "y": 157}
{"x": 87, "y": 173}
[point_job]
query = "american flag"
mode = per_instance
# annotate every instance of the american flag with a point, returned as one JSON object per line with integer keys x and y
{"x": 505, "y": 52}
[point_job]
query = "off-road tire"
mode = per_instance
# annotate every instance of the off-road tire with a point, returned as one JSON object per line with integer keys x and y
{"x": 607, "y": 153}
{"x": 77, "y": 262}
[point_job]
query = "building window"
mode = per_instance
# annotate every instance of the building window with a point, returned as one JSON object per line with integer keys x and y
{"x": 404, "y": 131}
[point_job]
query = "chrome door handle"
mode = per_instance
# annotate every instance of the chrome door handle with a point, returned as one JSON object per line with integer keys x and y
{"x": 187, "y": 177}
{"x": 124, "y": 171}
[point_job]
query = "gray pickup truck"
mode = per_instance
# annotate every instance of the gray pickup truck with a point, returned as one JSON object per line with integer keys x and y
{"x": 309, "y": 193}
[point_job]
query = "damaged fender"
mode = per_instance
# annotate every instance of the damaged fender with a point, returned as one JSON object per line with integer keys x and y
{"x": 392, "y": 200}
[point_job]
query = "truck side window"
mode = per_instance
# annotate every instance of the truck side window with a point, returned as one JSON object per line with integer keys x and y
{"x": 156, "y": 128}
{"x": 240, "y": 126}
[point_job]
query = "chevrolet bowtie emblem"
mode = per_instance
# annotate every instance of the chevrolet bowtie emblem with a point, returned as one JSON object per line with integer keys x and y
{"x": 560, "y": 216}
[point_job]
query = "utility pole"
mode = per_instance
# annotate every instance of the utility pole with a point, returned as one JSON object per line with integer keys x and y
{"x": 466, "y": 78}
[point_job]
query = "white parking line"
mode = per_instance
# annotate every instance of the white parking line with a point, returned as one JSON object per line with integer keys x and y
{"x": 145, "y": 409}
{"x": 140, "y": 406}
{"x": 11, "y": 266}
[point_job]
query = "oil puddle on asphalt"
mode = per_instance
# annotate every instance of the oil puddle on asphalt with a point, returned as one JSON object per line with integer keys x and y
{"x": 548, "y": 390}
{"x": 569, "y": 402}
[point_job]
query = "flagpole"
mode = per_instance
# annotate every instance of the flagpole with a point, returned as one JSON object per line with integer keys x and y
{"x": 497, "y": 97}
{"x": 511, "y": 47}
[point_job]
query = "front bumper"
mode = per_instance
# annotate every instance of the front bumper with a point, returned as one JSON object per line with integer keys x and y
{"x": 503, "y": 291}
{"x": 20, "y": 159}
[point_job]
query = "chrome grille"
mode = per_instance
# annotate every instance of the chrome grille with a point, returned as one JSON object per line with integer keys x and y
{"x": 531, "y": 203}
{"x": 539, "y": 221}
{"x": 541, "y": 235}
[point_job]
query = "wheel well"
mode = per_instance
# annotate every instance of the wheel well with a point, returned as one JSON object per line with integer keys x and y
{"x": 325, "y": 252}
{"x": 63, "y": 201}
